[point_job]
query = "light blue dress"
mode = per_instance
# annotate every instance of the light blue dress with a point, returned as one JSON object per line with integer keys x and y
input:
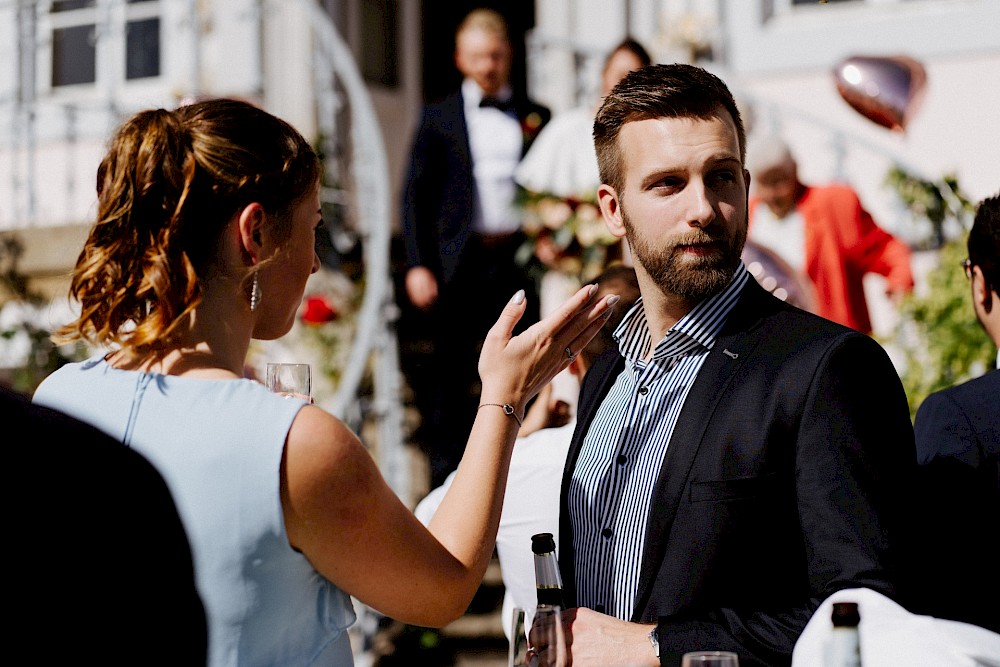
{"x": 218, "y": 444}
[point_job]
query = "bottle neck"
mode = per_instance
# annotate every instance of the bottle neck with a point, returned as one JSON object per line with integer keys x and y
{"x": 548, "y": 582}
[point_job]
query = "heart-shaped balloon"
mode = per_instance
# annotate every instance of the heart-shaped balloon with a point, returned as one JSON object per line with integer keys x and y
{"x": 885, "y": 90}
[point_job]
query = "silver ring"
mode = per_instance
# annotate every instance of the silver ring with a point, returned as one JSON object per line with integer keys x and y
{"x": 569, "y": 353}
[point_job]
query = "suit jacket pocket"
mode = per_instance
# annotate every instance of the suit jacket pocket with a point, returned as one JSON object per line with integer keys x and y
{"x": 735, "y": 489}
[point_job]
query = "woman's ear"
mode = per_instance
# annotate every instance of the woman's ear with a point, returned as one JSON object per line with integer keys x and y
{"x": 250, "y": 223}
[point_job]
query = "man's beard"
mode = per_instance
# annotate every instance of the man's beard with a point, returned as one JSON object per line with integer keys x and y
{"x": 695, "y": 277}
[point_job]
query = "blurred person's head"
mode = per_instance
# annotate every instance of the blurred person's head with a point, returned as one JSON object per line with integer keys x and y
{"x": 628, "y": 55}
{"x": 775, "y": 174}
{"x": 617, "y": 279}
{"x": 984, "y": 265}
{"x": 483, "y": 51}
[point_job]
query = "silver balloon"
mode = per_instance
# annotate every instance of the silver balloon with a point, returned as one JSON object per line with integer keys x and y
{"x": 885, "y": 90}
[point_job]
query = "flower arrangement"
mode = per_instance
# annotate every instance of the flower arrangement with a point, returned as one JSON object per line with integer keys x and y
{"x": 566, "y": 234}
{"x": 321, "y": 335}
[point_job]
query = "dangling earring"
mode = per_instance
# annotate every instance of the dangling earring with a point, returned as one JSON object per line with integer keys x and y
{"x": 254, "y": 294}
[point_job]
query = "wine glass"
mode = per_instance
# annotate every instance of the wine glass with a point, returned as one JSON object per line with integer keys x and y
{"x": 710, "y": 659}
{"x": 546, "y": 638}
{"x": 290, "y": 380}
{"x": 517, "y": 655}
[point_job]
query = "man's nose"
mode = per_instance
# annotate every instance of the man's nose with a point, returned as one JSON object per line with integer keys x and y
{"x": 700, "y": 208}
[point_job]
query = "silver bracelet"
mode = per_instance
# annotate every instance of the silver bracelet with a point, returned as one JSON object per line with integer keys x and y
{"x": 507, "y": 408}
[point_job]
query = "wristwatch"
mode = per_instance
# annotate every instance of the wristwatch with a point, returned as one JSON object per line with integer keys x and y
{"x": 655, "y": 641}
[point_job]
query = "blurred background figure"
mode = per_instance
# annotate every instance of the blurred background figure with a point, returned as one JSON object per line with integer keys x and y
{"x": 559, "y": 176}
{"x": 461, "y": 228}
{"x": 824, "y": 234}
{"x": 957, "y": 433}
{"x": 562, "y": 161}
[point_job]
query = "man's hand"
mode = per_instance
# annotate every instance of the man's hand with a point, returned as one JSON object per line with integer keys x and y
{"x": 596, "y": 640}
{"x": 421, "y": 287}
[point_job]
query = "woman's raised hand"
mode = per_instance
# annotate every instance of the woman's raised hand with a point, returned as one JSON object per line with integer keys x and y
{"x": 515, "y": 368}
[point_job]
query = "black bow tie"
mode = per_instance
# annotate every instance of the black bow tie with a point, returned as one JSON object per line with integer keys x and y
{"x": 503, "y": 105}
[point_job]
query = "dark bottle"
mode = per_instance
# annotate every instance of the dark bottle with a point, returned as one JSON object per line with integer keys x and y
{"x": 548, "y": 583}
{"x": 844, "y": 647}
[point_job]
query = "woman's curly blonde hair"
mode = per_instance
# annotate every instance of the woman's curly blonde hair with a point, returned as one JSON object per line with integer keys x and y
{"x": 167, "y": 187}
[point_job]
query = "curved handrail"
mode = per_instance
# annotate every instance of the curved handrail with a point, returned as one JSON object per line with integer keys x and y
{"x": 374, "y": 335}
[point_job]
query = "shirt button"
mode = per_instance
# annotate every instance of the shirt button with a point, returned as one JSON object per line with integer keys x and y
{"x": 606, "y": 533}
{"x": 643, "y": 390}
{"x": 622, "y": 459}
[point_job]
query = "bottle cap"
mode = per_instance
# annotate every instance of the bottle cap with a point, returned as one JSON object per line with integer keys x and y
{"x": 542, "y": 543}
{"x": 845, "y": 614}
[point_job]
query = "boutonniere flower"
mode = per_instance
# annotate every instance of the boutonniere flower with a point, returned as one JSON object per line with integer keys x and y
{"x": 531, "y": 124}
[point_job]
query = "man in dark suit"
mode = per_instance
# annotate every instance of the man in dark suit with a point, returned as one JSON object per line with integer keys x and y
{"x": 99, "y": 565}
{"x": 736, "y": 460}
{"x": 461, "y": 226}
{"x": 958, "y": 448}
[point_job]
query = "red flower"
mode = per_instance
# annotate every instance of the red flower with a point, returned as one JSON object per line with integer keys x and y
{"x": 317, "y": 310}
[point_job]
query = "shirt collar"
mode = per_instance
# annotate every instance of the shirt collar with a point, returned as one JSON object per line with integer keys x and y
{"x": 473, "y": 94}
{"x": 697, "y": 329}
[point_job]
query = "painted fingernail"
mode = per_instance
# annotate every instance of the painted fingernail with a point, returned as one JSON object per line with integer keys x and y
{"x": 518, "y": 298}
{"x": 613, "y": 299}
{"x": 593, "y": 289}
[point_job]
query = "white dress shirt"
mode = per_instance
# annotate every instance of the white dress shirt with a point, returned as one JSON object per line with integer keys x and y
{"x": 496, "y": 141}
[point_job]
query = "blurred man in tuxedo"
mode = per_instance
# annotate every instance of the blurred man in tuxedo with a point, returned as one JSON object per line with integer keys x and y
{"x": 462, "y": 228}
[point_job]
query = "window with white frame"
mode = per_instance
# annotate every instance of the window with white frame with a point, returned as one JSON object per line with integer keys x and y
{"x": 94, "y": 40}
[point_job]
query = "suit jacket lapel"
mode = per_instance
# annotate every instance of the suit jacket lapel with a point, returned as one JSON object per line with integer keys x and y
{"x": 731, "y": 348}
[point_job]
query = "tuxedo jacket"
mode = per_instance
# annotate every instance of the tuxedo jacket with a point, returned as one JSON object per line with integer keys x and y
{"x": 439, "y": 190}
{"x": 958, "y": 449}
{"x": 842, "y": 244}
{"x": 784, "y": 481}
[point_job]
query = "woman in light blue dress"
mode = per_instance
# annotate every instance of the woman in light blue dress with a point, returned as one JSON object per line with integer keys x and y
{"x": 204, "y": 239}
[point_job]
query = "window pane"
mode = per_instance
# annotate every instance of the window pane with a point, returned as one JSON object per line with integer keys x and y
{"x": 73, "y": 55}
{"x": 70, "y": 5}
{"x": 142, "y": 49}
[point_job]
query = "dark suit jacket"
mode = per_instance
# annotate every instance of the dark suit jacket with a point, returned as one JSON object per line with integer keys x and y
{"x": 438, "y": 194}
{"x": 98, "y": 548}
{"x": 782, "y": 483}
{"x": 958, "y": 503}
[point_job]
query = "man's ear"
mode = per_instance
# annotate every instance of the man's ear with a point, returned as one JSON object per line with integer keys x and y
{"x": 607, "y": 197}
{"x": 981, "y": 294}
{"x": 250, "y": 223}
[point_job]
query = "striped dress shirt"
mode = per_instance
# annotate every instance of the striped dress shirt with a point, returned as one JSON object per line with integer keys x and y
{"x": 623, "y": 449}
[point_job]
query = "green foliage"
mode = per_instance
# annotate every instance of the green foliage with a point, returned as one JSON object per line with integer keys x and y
{"x": 934, "y": 202}
{"x": 939, "y": 336}
{"x": 43, "y": 356}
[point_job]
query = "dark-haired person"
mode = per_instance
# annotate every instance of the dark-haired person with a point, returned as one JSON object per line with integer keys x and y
{"x": 205, "y": 238}
{"x": 958, "y": 447}
{"x": 100, "y": 532}
{"x": 736, "y": 459}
